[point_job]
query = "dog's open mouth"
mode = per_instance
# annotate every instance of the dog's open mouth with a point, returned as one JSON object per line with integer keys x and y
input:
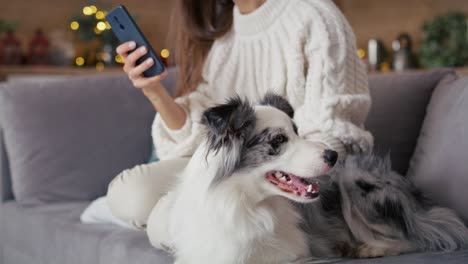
{"x": 290, "y": 183}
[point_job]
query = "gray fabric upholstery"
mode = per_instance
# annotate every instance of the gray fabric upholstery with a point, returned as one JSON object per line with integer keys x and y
{"x": 53, "y": 234}
{"x": 459, "y": 257}
{"x": 440, "y": 162}
{"x": 66, "y": 140}
{"x": 398, "y": 107}
{"x": 5, "y": 180}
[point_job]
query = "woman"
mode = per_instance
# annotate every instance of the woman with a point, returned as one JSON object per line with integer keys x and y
{"x": 301, "y": 49}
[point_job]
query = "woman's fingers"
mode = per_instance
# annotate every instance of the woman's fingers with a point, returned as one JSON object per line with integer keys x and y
{"x": 130, "y": 60}
{"x": 124, "y": 48}
{"x": 137, "y": 71}
{"x": 149, "y": 81}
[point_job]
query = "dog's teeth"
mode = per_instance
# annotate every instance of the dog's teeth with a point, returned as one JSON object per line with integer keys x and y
{"x": 283, "y": 178}
{"x": 278, "y": 174}
{"x": 309, "y": 189}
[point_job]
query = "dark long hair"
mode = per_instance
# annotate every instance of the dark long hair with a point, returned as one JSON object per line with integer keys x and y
{"x": 196, "y": 24}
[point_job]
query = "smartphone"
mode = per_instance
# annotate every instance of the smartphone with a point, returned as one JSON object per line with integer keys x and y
{"x": 125, "y": 29}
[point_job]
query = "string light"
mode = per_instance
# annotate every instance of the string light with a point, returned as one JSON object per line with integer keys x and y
{"x": 87, "y": 11}
{"x": 100, "y": 15}
{"x": 108, "y": 26}
{"x": 100, "y": 66}
{"x": 97, "y": 31}
{"x": 101, "y": 26}
{"x": 165, "y": 53}
{"x": 80, "y": 61}
{"x": 361, "y": 53}
{"x": 93, "y": 9}
{"x": 119, "y": 59}
{"x": 74, "y": 25}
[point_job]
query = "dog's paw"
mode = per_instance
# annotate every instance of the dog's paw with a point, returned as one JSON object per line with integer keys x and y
{"x": 368, "y": 251}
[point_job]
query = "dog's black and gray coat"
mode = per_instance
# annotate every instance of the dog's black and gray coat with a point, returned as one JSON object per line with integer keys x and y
{"x": 365, "y": 209}
{"x": 368, "y": 210}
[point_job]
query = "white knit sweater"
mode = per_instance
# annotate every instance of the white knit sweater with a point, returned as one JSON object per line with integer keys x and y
{"x": 302, "y": 49}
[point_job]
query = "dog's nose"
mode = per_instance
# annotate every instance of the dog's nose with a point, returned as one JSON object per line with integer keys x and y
{"x": 330, "y": 157}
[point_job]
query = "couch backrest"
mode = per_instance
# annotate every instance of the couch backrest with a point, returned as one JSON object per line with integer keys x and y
{"x": 120, "y": 134}
{"x": 399, "y": 102}
{"x": 399, "y": 106}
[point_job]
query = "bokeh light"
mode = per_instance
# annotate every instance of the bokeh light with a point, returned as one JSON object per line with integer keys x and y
{"x": 119, "y": 59}
{"x": 101, "y": 26}
{"x": 74, "y": 25}
{"x": 100, "y": 15}
{"x": 80, "y": 61}
{"x": 165, "y": 53}
{"x": 87, "y": 11}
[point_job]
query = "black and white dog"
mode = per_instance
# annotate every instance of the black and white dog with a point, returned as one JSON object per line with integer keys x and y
{"x": 250, "y": 194}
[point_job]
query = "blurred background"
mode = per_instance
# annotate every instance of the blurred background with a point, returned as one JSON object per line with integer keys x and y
{"x": 55, "y": 37}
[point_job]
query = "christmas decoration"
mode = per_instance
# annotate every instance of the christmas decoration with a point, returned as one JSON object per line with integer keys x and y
{"x": 94, "y": 38}
{"x": 38, "y": 49}
{"x": 10, "y": 49}
{"x": 96, "y": 42}
{"x": 403, "y": 56}
{"x": 377, "y": 56}
{"x": 445, "y": 43}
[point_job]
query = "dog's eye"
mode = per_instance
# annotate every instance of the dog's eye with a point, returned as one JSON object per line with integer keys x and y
{"x": 278, "y": 140}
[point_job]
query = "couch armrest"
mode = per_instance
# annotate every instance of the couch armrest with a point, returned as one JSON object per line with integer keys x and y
{"x": 5, "y": 180}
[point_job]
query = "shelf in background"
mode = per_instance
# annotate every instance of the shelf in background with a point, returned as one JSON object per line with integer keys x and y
{"x": 50, "y": 72}
{"x": 13, "y": 72}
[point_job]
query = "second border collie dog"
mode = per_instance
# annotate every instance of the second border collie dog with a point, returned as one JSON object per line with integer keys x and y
{"x": 252, "y": 194}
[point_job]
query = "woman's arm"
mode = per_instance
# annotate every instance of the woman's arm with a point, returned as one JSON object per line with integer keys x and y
{"x": 172, "y": 114}
{"x": 337, "y": 98}
{"x": 174, "y": 132}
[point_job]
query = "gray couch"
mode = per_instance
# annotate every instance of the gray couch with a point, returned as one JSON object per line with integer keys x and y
{"x": 61, "y": 142}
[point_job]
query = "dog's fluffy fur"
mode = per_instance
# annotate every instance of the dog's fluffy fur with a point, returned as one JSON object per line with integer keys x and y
{"x": 228, "y": 210}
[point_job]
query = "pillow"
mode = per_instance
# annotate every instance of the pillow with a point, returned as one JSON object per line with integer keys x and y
{"x": 65, "y": 140}
{"x": 399, "y": 102}
{"x": 439, "y": 166}
{"x": 98, "y": 212}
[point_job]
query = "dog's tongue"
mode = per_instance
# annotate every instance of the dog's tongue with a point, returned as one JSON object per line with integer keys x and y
{"x": 291, "y": 183}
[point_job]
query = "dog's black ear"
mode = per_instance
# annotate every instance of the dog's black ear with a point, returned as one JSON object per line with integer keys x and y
{"x": 279, "y": 102}
{"x": 228, "y": 127}
{"x": 230, "y": 121}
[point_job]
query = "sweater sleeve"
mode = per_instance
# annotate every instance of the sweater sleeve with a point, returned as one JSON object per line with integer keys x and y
{"x": 336, "y": 96}
{"x": 183, "y": 142}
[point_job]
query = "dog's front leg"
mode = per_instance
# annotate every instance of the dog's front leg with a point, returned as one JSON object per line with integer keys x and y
{"x": 387, "y": 248}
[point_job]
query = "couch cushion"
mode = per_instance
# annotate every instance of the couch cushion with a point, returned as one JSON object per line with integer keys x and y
{"x": 53, "y": 233}
{"x": 399, "y": 102}
{"x": 440, "y": 162}
{"x": 65, "y": 140}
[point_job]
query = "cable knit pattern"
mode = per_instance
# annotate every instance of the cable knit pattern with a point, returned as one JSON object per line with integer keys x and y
{"x": 304, "y": 50}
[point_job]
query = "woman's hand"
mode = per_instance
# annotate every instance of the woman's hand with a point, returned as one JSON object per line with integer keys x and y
{"x": 172, "y": 114}
{"x": 135, "y": 72}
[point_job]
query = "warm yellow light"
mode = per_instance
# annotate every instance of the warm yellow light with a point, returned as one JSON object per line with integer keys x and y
{"x": 361, "y": 53}
{"x": 385, "y": 67}
{"x": 165, "y": 53}
{"x": 100, "y": 66}
{"x": 74, "y": 25}
{"x": 108, "y": 26}
{"x": 87, "y": 11}
{"x": 100, "y": 15}
{"x": 97, "y": 31}
{"x": 101, "y": 26}
{"x": 93, "y": 9}
{"x": 119, "y": 59}
{"x": 80, "y": 61}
